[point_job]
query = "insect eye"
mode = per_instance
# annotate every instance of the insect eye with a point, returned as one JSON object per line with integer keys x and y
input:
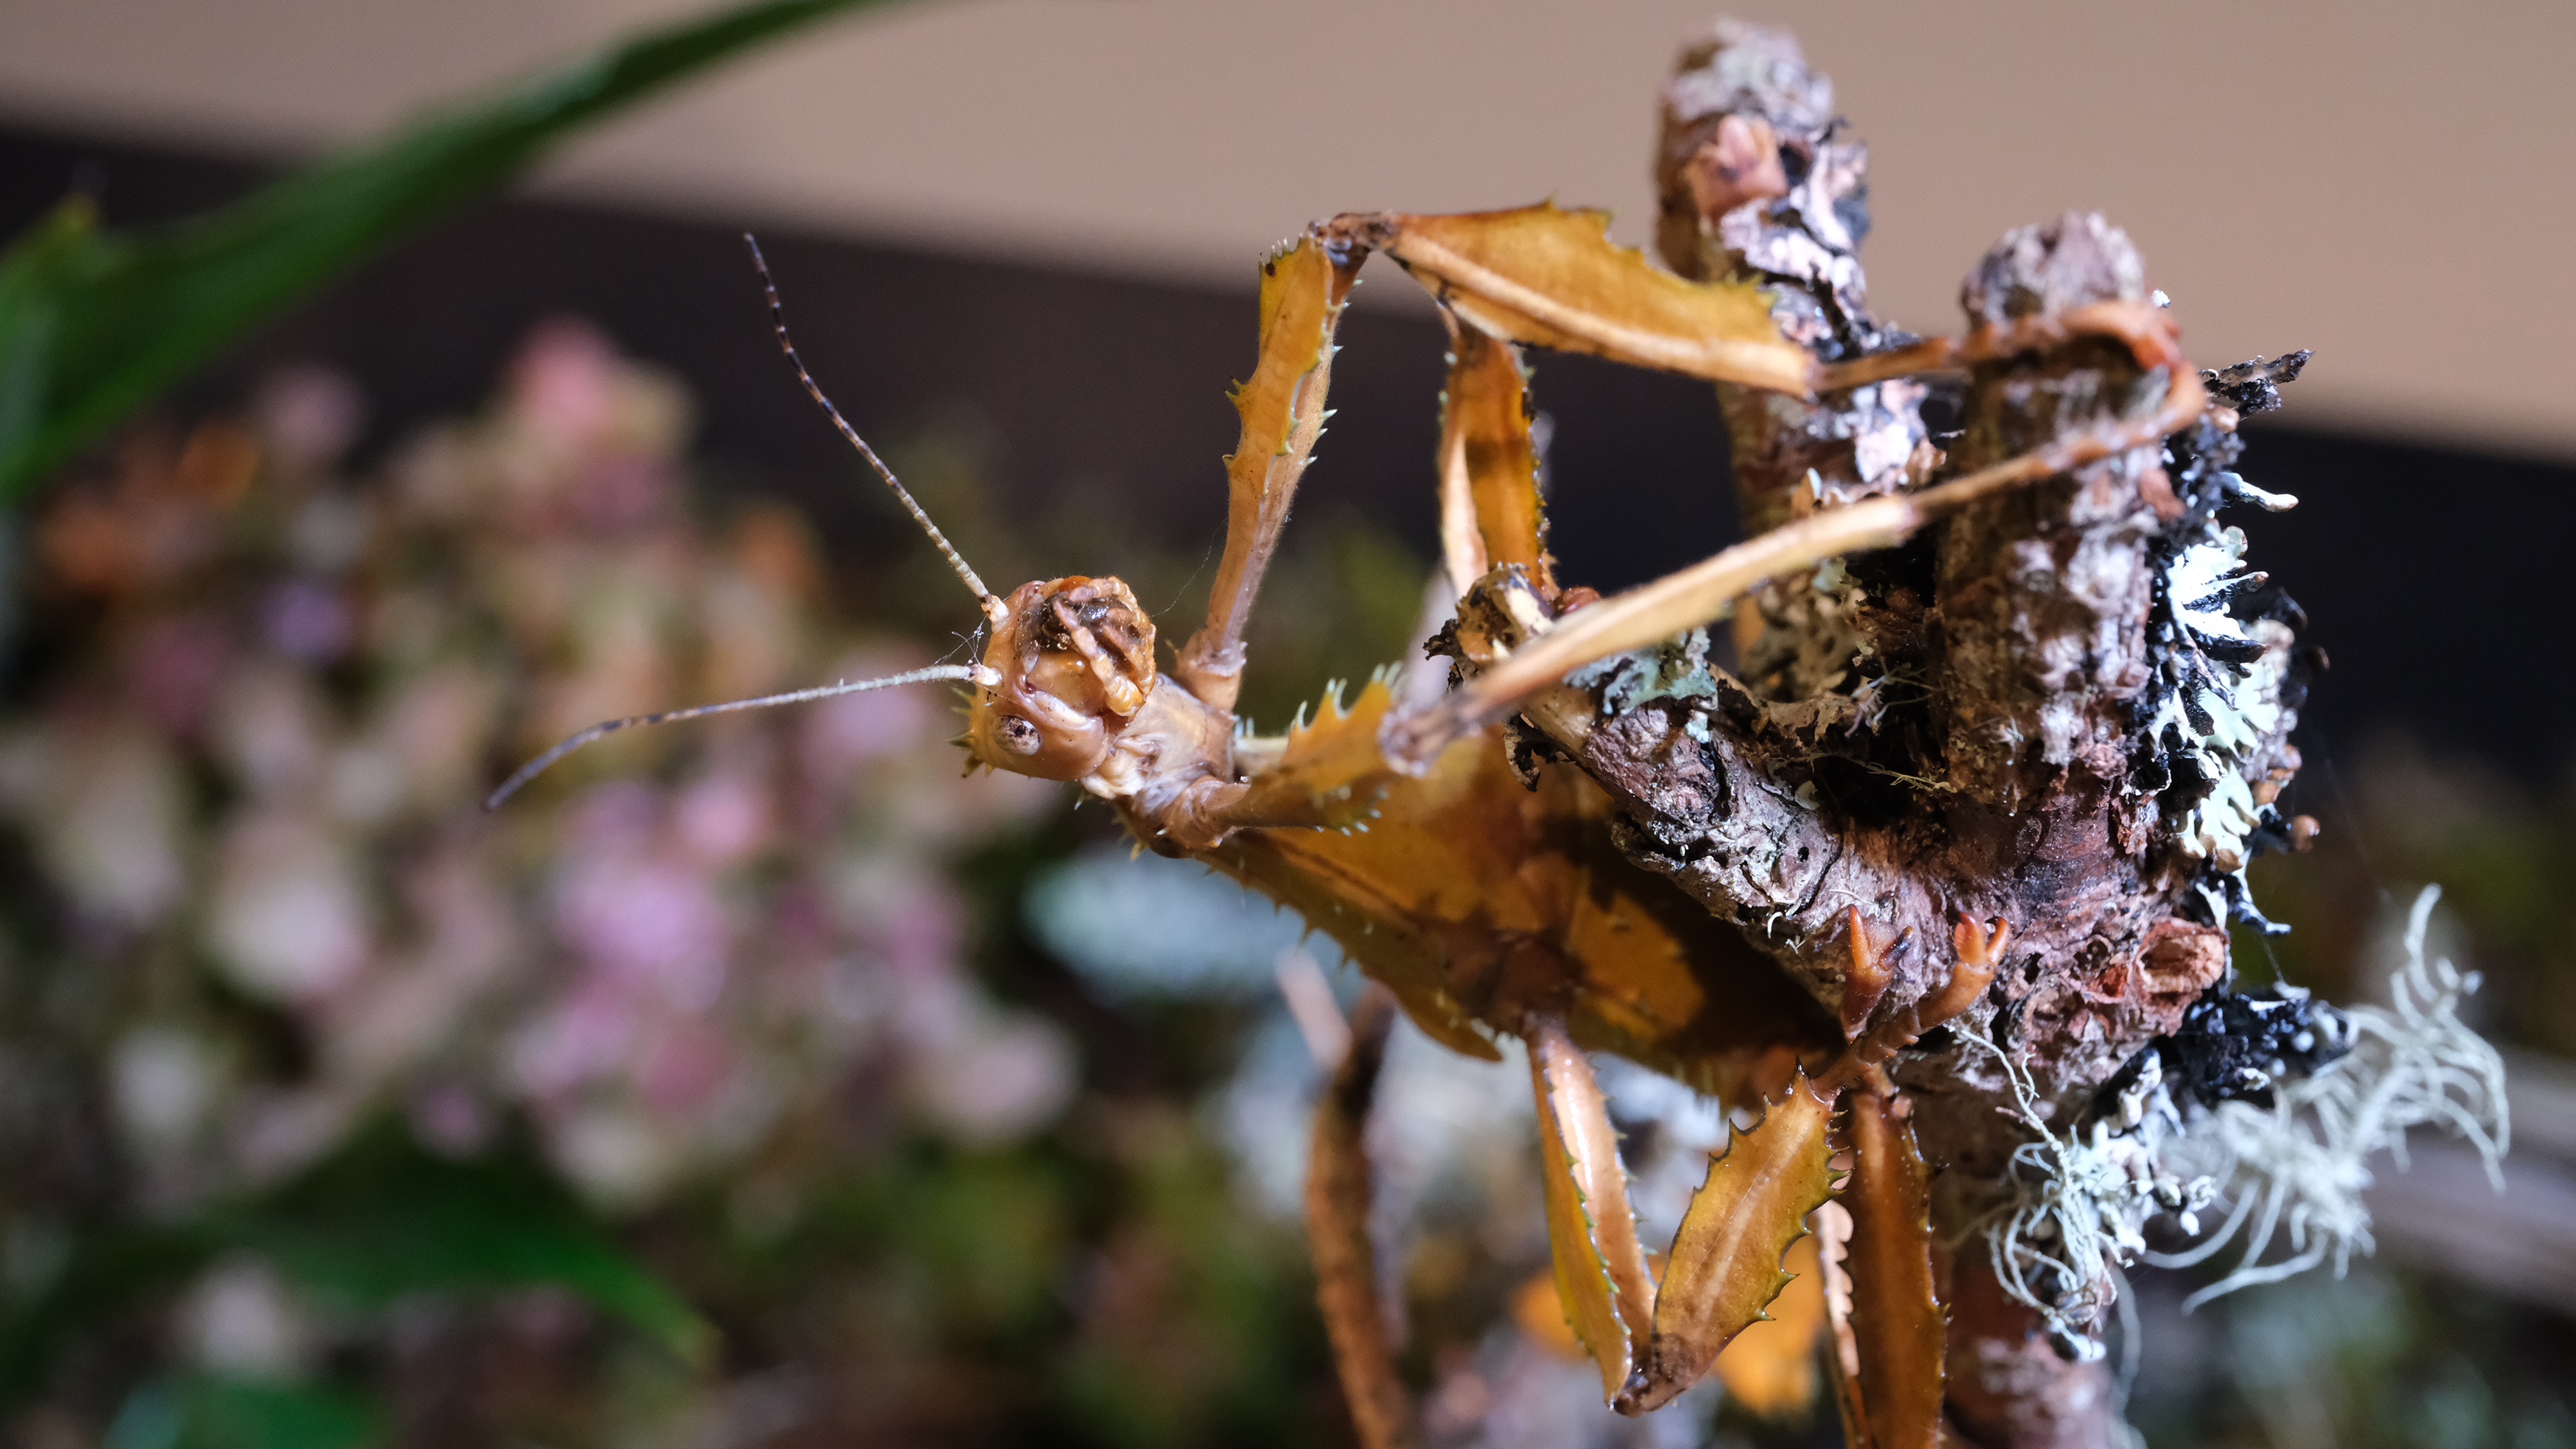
{"x": 1019, "y": 736}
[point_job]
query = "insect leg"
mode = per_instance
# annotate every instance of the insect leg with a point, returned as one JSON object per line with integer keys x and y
{"x": 1303, "y": 288}
{"x": 1980, "y": 955}
{"x": 1601, "y": 1272}
{"x": 1897, "y": 1326}
{"x": 1770, "y": 1372}
{"x": 1702, "y": 592}
{"x": 1337, "y": 1217}
{"x": 1327, "y": 774}
{"x": 1724, "y": 1267}
{"x": 1543, "y": 275}
{"x": 1489, "y": 503}
{"x": 1553, "y": 278}
{"x": 1832, "y": 1226}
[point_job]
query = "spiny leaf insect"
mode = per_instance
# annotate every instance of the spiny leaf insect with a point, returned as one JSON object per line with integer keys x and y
{"x": 1480, "y": 906}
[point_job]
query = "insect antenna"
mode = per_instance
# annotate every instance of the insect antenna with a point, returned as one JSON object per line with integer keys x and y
{"x": 984, "y": 597}
{"x": 971, "y": 673}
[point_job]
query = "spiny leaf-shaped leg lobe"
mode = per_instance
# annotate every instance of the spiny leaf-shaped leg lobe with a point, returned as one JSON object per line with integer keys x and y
{"x": 1337, "y": 1215}
{"x": 1724, "y": 1268}
{"x": 1489, "y": 503}
{"x": 1479, "y": 901}
{"x": 1303, "y": 288}
{"x": 1770, "y": 1369}
{"x": 1897, "y": 1325}
{"x": 1601, "y": 1272}
{"x": 1552, "y": 277}
{"x": 1327, "y": 774}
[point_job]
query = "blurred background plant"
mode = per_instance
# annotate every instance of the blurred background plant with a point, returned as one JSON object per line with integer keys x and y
{"x": 765, "y": 1082}
{"x": 261, "y": 925}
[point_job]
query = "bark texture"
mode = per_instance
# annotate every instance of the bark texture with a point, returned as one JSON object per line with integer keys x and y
{"x": 2013, "y": 716}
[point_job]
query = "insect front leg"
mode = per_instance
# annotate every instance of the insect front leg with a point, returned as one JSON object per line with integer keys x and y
{"x": 1550, "y": 277}
{"x": 1490, "y": 513}
{"x": 1702, "y": 593}
{"x": 1068, "y": 690}
{"x": 1303, "y": 288}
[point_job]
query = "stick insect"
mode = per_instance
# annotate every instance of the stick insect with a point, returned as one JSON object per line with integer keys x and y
{"x": 1487, "y": 909}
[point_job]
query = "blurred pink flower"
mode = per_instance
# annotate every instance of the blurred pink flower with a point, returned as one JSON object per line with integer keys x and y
{"x": 908, "y": 922}
{"x": 614, "y": 815}
{"x": 579, "y": 1037}
{"x": 616, "y": 1155}
{"x": 331, "y": 531}
{"x": 308, "y": 416}
{"x": 173, "y": 667}
{"x": 923, "y": 934}
{"x": 241, "y": 1319}
{"x": 164, "y": 1082}
{"x": 620, "y": 490}
{"x": 982, "y": 1075}
{"x": 288, "y": 918}
{"x": 685, "y": 1064}
{"x": 106, "y": 805}
{"x": 450, "y": 1117}
{"x": 723, "y": 818}
{"x": 650, "y": 922}
{"x": 270, "y": 726}
{"x": 844, "y": 733}
{"x": 437, "y": 726}
{"x": 406, "y": 1014}
{"x": 458, "y": 893}
{"x": 750, "y": 918}
{"x": 563, "y": 384}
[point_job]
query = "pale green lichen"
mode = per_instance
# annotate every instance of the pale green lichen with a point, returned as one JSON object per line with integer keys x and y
{"x": 2298, "y": 1168}
{"x": 2221, "y": 716}
{"x": 2073, "y": 1208}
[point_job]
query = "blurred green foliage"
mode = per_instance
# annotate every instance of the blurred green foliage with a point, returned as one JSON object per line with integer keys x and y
{"x": 2386, "y": 1356}
{"x": 2502, "y": 848}
{"x": 204, "y": 1411}
{"x": 380, "y": 1220}
{"x": 93, "y": 323}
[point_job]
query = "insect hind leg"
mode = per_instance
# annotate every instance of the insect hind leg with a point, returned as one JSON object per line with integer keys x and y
{"x": 1337, "y": 1226}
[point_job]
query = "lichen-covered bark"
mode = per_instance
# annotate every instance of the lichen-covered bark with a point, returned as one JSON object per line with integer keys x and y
{"x": 2017, "y": 715}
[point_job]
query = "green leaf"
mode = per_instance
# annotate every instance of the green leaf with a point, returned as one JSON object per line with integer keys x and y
{"x": 379, "y": 1220}
{"x": 201, "y": 1412}
{"x": 384, "y": 1219}
{"x": 104, "y": 1270}
{"x": 94, "y": 323}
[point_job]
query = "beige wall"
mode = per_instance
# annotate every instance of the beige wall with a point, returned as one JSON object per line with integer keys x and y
{"x": 2387, "y": 184}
